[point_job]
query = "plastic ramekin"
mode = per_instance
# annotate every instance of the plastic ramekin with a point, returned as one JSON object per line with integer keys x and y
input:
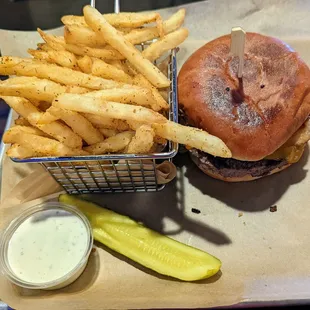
{"x": 65, "y": 280}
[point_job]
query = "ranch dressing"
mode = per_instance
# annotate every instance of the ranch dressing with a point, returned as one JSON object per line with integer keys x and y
{"x": 47, "y": 246}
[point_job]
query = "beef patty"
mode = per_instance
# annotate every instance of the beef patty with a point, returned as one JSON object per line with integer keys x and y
{"x": 229, "y": 167}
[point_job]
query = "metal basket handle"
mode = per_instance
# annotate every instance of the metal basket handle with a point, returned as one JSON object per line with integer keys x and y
{"x": 116, "y": 5}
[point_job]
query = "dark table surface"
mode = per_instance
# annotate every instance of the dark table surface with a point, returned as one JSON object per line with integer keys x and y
{"x": 30, "y": 14}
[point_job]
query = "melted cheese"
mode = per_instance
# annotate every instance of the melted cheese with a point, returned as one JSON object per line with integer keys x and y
{"x": 291, "y": 154}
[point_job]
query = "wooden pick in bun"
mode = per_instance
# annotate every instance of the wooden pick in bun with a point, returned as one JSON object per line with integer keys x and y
{"x": 256, "y": 115}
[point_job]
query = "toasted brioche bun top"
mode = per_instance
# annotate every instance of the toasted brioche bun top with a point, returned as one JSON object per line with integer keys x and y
{"x": 254, "y": 116}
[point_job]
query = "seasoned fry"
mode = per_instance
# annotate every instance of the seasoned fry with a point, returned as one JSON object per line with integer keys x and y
{"x": 112, "y": 144}
{"x": 72, "y": 89}
{"x": 125, "y": 20}
{"x": 166, "y": 43}
{"x": 192, "y": 137}
{"x": 21, "y": 152}
{"x": 108, "y": 132}
{"x": 143, "y": 140}
{"x": 174, "y": 22}
{"x": 98, "y": 23}
{"x": 79, "y": 124}
{"x": 85, "y": 63}
{"x": 141, "y": 35}
{"x": 28, "y": 67}
{"x": 44, "y": 47}
{"x": 103, "y": 122}
{"x": 87, "y": 104}
{"x": 83, "y": 35}
{"x": 47, "y": 117}
{"x": 93, "y": 89}
{"x": 43, "y": 145}
{"x": 140, "y": 96}
{"x": 107, "y": 71}
{"x": 106, "y": 53}
{"x": 29, "y": 129}
{"x": 136, "y": 125}
{"x": 22, "y": 122}
{"x": 62, "y": 58}
{"x": 57, "y": 130}
{"x": 59, "y": 43}
{"x": 36, "y": 90}
{"x": 159, "y": 26}
{"x": 161, "y": 103}
{"x": 31, "y": 88}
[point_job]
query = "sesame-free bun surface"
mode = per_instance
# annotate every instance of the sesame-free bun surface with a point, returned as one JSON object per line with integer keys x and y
{"x": 254, "y": 116}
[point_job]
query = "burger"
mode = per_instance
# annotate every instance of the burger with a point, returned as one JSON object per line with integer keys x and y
{"x": 262, "y": 117}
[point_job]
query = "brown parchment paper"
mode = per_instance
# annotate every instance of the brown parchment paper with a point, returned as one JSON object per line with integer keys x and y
{"x": 265, "y": 255}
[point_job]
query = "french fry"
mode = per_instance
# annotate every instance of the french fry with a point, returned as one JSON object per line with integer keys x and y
{"x": 29, "y": 129}
{"x": 85, "y": 63}
{"x": 72, "y": 89}
{"x": 62, "y": 58}
{"x": 136, "y": 125}
{"x": 87, "y": 104}
{"x": 192, "y": 137}
{"x": 125, "y": 20}
{"x": 83, "y": 35}
{"x": 36, "y": 90}
{"x": 103, "y": 122}
{"x": 21, "y": 152}
{"x": 57, "y": 130}
{"x": 112, "y": 144}
{"x": 44, "y": 47}
{"x": 47, "y": 117}
{"x": 108, "y": 132}
{"x": 142, "y": 141}
{"x": 161, "y": 103}
{"x": 140, "y": 96}
{"x": 79, "y": 124}
{"x": 98, "y": 23}
{"x": 174, "y": 22}
{"x": 43, "y": 145}
{"x": 22, "y": 122}
{"x": 166, "y": 43}
{"x": 28, "y": 67}
{"x": 59, "y": 43}
{"x": 31, "y": 88}
{"x": 107, "y": 71}
{"x": 159, "y": 26}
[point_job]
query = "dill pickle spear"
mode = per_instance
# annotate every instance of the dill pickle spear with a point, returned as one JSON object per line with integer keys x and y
{"x": 145, "y": 246}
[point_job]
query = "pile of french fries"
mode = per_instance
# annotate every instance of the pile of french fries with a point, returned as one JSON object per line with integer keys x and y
{"x": 94, "y": 92}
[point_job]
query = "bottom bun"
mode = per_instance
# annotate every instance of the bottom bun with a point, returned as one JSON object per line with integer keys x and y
{"x": 232, "y": 170}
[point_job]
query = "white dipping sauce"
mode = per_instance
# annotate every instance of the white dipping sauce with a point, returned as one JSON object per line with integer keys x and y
{"x": 47, "y": 246}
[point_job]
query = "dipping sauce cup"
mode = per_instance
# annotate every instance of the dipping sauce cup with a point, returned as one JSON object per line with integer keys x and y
{"x": 46, "y": 247}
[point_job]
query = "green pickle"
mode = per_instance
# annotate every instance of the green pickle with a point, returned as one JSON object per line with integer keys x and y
{"x": 145, "y": 246}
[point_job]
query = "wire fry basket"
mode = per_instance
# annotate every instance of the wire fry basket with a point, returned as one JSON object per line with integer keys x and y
{"x": 112, "y": 173}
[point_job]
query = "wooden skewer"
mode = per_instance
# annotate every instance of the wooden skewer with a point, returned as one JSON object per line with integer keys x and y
{"x": 237, "y": 47}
